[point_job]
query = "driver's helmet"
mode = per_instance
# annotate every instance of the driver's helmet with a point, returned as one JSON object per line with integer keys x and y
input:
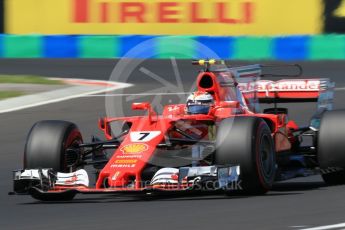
{"x": 199, "y": 103}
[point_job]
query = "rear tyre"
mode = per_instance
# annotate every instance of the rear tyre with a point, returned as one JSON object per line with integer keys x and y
{"x": 331, "y": 147}
{"x": 336, "y": 177}
{"x": 46, "y": 147}
{"x": 247, "y": 141}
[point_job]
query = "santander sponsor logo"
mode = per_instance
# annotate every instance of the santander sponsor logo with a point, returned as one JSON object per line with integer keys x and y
{"x": 282, "y": 85}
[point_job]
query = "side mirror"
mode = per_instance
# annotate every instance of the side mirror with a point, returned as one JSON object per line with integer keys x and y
{"x": 144, "y": 106}
{"x": 229, "y": 104}
{"x": 141, "y": 106}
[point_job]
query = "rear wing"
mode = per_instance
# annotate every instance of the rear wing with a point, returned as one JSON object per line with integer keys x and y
{"x": 255, "y": 90}
{"x": 292, "y": 90}
{"x": 289, "y": 90}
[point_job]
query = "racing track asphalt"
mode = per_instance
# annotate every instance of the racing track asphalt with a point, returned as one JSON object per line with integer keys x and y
{"x": 299, "y": 202}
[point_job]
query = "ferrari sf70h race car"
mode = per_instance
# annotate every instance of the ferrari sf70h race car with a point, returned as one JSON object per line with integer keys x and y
{"x": 232, "y": 148}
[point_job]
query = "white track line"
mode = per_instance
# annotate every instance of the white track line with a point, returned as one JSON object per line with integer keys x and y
{"x": 325, "y": 227}
{"x": 136, "y": 94}
{"x": 117, "y": 85}
{"x": 150, "y": 94}
{"x": 298, "y": 226}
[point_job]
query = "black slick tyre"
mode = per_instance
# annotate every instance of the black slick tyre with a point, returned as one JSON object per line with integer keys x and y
{"x": 247, "y": 141}
{"x": 331, "y": 147}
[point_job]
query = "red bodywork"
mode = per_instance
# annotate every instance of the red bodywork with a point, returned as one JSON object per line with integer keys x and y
{"x": 131, "y": 157}
{"x": 232, "y": 98}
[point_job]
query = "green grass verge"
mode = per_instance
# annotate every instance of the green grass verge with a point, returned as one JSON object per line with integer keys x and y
{"x": 8, "y": 94}
{"x": 28, "y": 79}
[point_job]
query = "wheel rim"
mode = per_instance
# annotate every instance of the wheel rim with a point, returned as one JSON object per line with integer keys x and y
{"x": 266, "y": 157}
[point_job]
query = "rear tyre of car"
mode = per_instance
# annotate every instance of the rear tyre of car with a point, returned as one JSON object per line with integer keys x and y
{"x": 47, "y": 146}
{"x": 333, "y": 176}
{"x": 331, "y": 147}
{"x": 247, "y": 141}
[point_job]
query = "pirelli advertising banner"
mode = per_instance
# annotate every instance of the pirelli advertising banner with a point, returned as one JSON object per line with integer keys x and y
{"x": 164, "y": 17}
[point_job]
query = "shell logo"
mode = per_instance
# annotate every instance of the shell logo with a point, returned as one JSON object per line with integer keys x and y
{"x": 134, "y": 148}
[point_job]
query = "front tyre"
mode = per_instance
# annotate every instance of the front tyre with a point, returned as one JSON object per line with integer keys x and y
{"x": 247, "y": 141}
{"x": 47, "y": 147}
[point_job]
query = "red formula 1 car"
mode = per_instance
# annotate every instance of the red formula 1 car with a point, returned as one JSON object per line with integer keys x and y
{"x": 232, "y": 147}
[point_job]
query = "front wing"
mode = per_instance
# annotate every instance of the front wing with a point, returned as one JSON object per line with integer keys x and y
{"x": 45, "y": 184}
